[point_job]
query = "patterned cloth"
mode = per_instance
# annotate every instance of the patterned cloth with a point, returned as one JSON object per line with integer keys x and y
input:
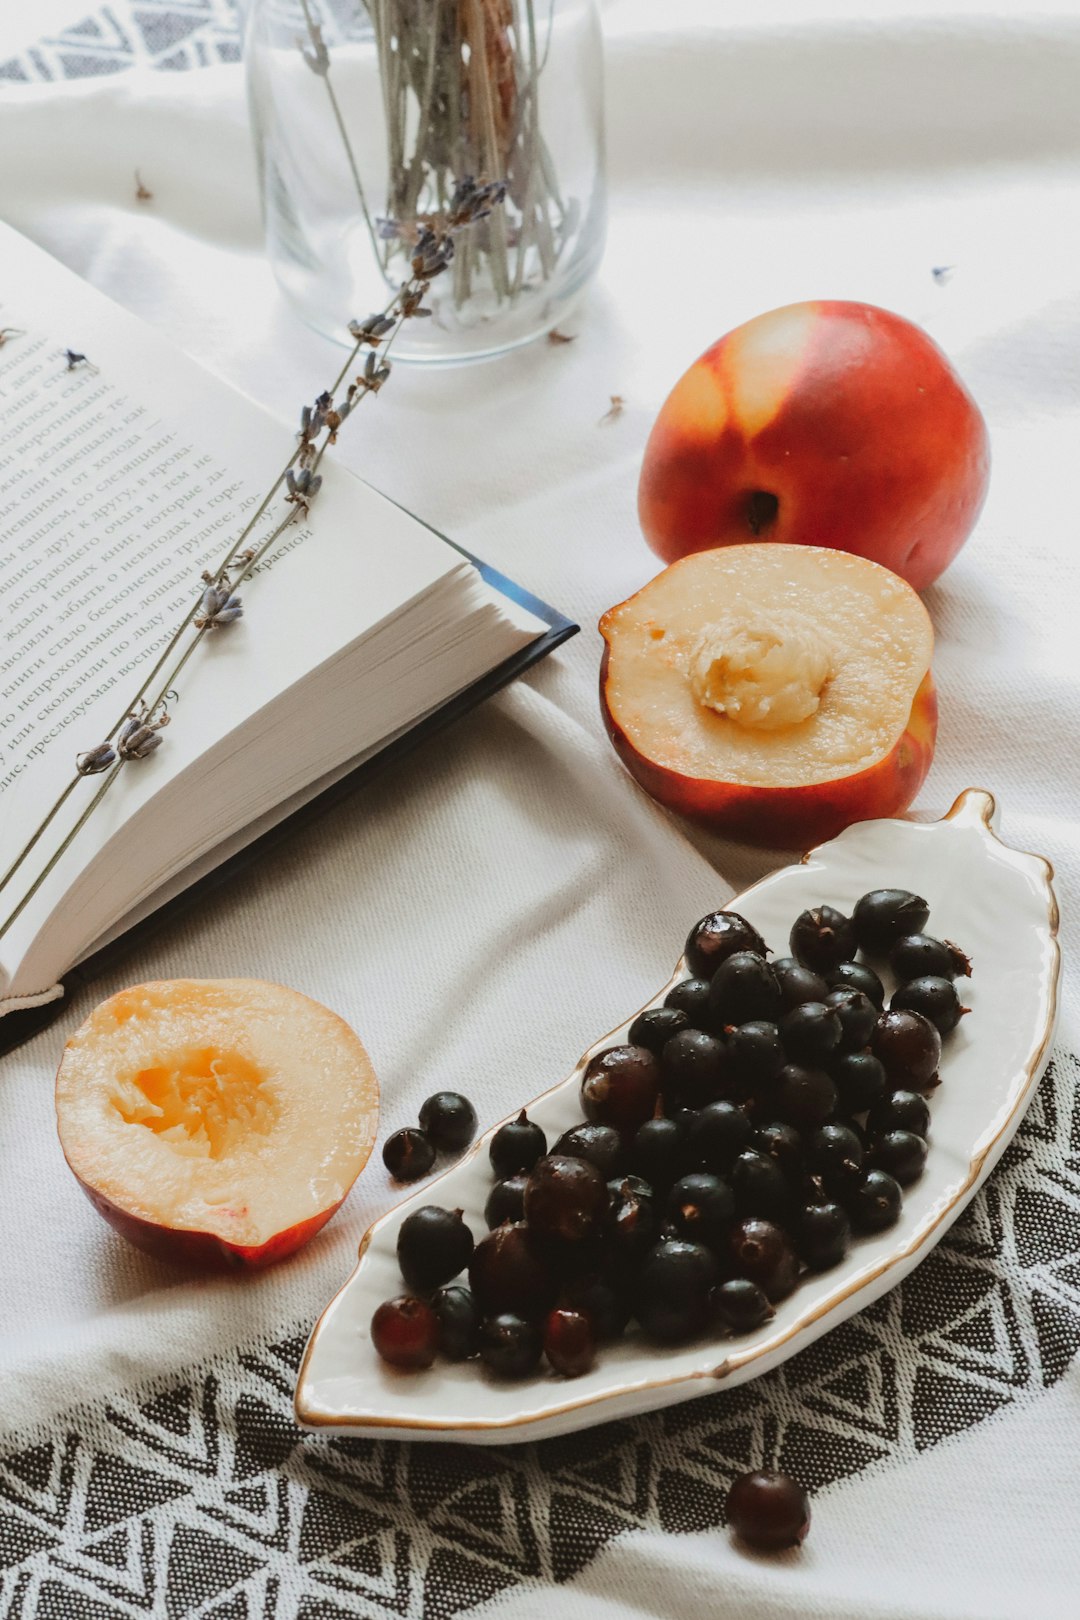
{"x": 202, "y": 1497}
{"x": 156, "y": 1470}
{"x": 169, "y": 34}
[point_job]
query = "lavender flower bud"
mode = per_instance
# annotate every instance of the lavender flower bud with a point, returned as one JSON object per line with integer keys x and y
{"x": 96, "y": 759}
{"x": 137, "y": 740}
{"x": 371, "y": 330}
{"x": 218, "y": 607}
{"x": 315, "y": 54}
{"x": 213, "y": 598}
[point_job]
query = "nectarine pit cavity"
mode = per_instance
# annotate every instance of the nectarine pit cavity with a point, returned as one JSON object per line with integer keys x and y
{"x": 204, "y": 1100}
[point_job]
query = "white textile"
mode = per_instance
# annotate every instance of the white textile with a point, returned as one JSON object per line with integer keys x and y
{"x": 491, "y": 904}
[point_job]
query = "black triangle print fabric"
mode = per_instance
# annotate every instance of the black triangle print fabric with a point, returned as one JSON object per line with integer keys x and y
{"x": 172, "y": 35}
{"x": 203, "y": 1499}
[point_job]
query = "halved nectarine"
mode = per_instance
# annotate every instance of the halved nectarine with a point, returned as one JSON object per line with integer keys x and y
{"x": 219, "y": 1122}
{"x": 775, "y": 693}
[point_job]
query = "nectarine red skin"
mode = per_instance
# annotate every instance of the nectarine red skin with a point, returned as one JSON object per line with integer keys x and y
{"x": 203, "y": 1250}
{"x": 795, "y": 817}
{"x": 848, "y": 417}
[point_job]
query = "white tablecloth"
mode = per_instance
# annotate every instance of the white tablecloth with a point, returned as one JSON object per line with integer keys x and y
{"x": 495, "y": 901}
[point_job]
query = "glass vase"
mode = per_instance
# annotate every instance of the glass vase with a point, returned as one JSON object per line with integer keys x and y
{"x": 367, "y": 114}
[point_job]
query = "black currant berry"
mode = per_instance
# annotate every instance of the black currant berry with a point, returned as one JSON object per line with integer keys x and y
{"x": 860, "y": 1080}
{"x": 565, "y": 1199}
{"x": 783, "y": 1144}
{"x": 908, "y": 1046}
{"x": 603, "y": 1298}
{"x": 510, "y": 1346}
{"x": 901, "y": 1153}
{"x": 691, "y": 996}
{"x": 885, "y": 915}
{"x": 449, "y": 1120}
{"x": 508, "y": 1272}
{"x": 744, "y": 989}
{"x": 916, "y": 956}
{"x": 655, "y": 1153}
{"x": 569, "y": 1342}
{"x": 875, "y": 1202}
{"x": 761, "y": 1251}
{"x": 693, "y": 1064}
{"x": 620, "y": 1087}
{"x": 459, "y": 1322}
{"x": 857, "y": 1015}
{"x": 408, "y": 1154}
{"x": 671, "y": 1293}
{"x": 755, "y": 1053}
{"x": 716, "y": 1134}
{"x": 715, "y": 938}
{"x": 797, "y": 983}
{"x": 803, "y": 1097}
{"x": 822, "y": 1235}
{"x": 760, "y": 1186}
{"x": 741, "y": 1306}
{"x": 768, "y": 1510}
{"x": 405, "y": 1332}
{"x": 835, "y": 1154}
{"x": 433, "y": 1245}
{"x": 506, "y": 1201}
{"x": 599, "y": 1145}
{"x": 655, "y": 1027}
{"x": 935, "y": 998}
{"x": 516, "y": 1146}
{"x": 700, "y": 1208}
{"x": 857, "y": 976}
{"x": 822, "y": 938}
{"x": 899, "y": 1111}
{"x": 810, "y": 1032}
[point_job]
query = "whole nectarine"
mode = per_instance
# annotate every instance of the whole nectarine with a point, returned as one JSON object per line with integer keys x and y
{"x": 824, "y": 424}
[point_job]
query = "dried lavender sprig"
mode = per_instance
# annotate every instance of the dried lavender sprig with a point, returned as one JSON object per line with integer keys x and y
{"x": 317, "y": 58}
{"x": 428, "y": 261}
{"x": 219, "y": 574}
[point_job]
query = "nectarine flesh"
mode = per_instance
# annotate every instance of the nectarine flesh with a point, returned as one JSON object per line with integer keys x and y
{"x": 773, "y": 692}
{"x": 219, "y": 1122}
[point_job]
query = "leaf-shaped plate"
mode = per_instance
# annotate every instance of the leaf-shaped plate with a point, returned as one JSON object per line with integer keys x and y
{"x": 999, "y": 904}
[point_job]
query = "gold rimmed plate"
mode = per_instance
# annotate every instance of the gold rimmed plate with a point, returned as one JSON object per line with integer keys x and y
{"x": 996, "y": 902}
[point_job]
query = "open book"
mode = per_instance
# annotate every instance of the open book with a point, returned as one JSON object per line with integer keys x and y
{"x": 122, "y": 476}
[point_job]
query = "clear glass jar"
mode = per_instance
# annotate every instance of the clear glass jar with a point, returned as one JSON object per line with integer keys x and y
{"x": 365, "y": 117}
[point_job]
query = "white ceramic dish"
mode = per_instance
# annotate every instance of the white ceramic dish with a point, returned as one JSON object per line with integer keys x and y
{"x": 998, "y": 904}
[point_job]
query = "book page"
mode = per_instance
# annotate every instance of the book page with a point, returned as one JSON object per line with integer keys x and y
{"x": 109, "y": 515}
{"x": 122, "y": 476}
